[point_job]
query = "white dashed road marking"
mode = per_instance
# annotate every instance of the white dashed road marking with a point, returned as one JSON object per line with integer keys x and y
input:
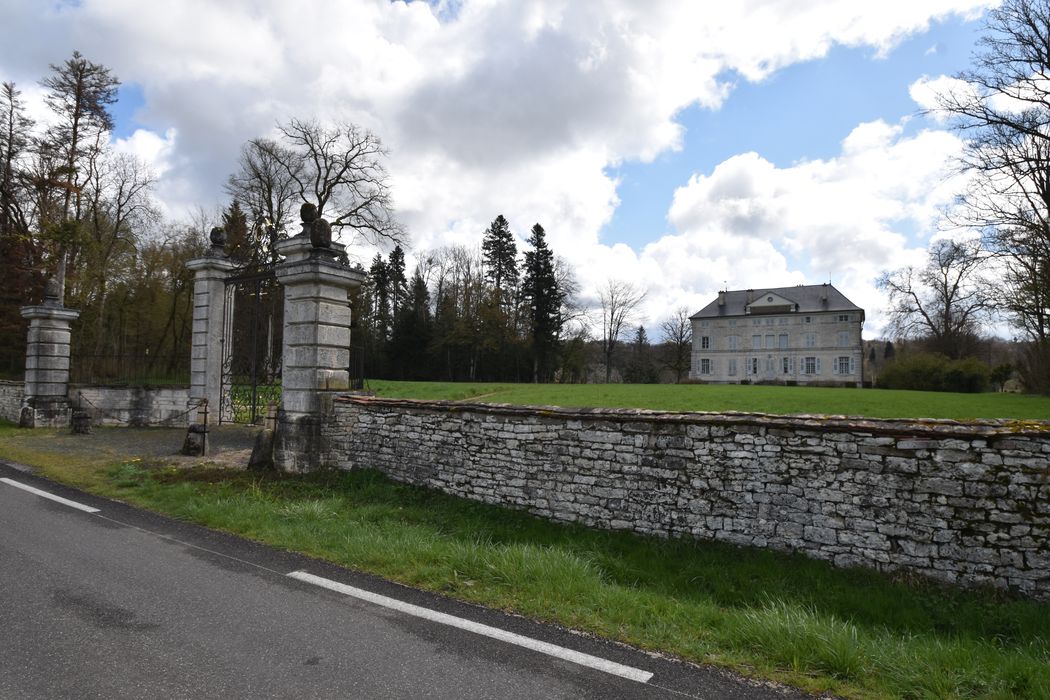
{"x": 50, "y": 496}
{"x": 576, "y": 657}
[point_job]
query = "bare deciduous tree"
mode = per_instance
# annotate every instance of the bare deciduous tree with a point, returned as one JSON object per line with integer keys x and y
{"x": 678, "y": 334}
{"x": 619, "y": 308}
{"x": 942, "y": 303}
{"x": 268, "y": 193}
{"x": 1002, "y": 107}
{"x": 340, "y": 170}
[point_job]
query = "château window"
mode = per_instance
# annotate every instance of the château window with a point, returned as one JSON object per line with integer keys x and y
{"x": 811, "y": 365}
{"x": 732, "y": 367}
{"x": 810, "y": 340}
{"x": 783, "y": 340}
{"x": 756, "y": 342}
{"x": 733, "y": 342}
{"x": 705, "y": 366}
{"x": 843, "y": 339}
{"x": 769, "y": 341}
{"x": 705, "y": 342}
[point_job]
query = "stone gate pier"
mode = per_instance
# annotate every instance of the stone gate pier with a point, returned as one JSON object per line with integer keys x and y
{"x": 209, "y": 335}
{"x": 46, "y": 403}
{"x": 316, "y": 353}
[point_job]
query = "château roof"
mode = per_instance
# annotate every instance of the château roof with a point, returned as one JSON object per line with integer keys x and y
{"x": 805, "y": 298}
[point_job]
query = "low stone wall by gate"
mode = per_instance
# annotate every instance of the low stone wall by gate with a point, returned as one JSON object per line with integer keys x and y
{"x": 138, "y": 406}
{"x": 11, "y": 395}
{"x": 108, "y": 405}
{"x": 963, "y": 503}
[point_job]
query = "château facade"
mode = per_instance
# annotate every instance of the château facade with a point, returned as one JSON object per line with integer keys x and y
{"x": 809, "y": 334}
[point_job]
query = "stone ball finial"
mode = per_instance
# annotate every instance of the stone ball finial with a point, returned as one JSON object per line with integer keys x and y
{"x": 308, "y": 213}
{"x": 52, "y": 290}
{"x": 218, "y": 237}
{"x": 321, "y": 234}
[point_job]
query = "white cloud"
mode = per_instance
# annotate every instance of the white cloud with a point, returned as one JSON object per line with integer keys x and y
{"x": 749, "y": 223}
{"x": 517, "y": 107}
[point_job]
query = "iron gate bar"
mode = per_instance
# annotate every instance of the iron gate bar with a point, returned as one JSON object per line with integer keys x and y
{"x": 246, "y": 286}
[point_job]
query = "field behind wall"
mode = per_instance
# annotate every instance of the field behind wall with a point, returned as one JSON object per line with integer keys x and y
{"x": 780, "y": 400}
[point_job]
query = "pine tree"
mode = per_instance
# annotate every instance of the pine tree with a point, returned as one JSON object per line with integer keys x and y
{"x": 888, "y": 353}
{"x": 20, "y": 282}
{"x": 398, "y": 285}
{"x": 412, "y": 332}
{"x": 15, "y": 138}
{"x": 79, "y": 93}
{"x": 543, "y": 302}
{"x": 501, "y": 258}
{"x": 238, "y": 243}
{"x": 640, "y": 368}
{"x": 379, "y": 276}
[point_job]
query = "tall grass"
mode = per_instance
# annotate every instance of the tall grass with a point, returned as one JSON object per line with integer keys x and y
{"x": 851, "y": 632}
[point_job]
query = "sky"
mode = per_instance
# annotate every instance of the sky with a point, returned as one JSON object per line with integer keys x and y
{"x": 681, "y": 146}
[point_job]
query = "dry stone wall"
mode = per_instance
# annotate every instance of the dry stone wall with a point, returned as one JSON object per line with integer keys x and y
{"x": 962, "y": 503}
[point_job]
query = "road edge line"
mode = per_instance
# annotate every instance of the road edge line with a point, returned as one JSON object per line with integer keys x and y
{"x": 577, "y": 657}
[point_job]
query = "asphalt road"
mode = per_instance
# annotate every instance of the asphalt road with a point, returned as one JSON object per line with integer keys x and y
{"x": 123, "y": 603}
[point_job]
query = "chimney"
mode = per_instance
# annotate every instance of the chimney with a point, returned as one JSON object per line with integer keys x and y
{"x": 824, "y": 292}
{"x": 722, "y": 298}
{"x": 750, "y": 296}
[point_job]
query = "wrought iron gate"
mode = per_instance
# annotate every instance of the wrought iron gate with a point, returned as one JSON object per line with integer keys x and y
{"x": 253, "y": 314}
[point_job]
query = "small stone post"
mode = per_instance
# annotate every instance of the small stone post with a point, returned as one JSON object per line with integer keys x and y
{"x": 46, "y": 403}
{"x": 209, "y": 290}
{"x": 316, "y": 355}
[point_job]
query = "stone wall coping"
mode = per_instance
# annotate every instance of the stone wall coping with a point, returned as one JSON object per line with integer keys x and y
{"x": 211, "y": 263}
{"x": 319, "y": 269}
{"x": 125, "y": 387}
{"x": 45, "y": 311}
{"x": 901, "y": 427}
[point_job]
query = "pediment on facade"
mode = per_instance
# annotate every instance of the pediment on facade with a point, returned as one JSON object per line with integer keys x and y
{"x": 770, "y": 302}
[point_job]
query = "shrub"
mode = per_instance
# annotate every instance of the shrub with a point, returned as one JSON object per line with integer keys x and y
{"x": 933, "y": 372}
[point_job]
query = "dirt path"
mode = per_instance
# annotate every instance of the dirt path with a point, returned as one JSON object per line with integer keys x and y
{"x": 229, "y": 445}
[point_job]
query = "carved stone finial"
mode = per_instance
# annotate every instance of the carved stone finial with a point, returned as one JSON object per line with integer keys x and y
{"x": 321, "y": 234}
{"x": 218, "y": 237}
{"x": 308, "y": 213}
{"x": 52, "y": 292}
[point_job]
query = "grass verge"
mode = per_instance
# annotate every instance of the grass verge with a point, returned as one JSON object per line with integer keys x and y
{"x": 851, "y": 632}
{"x": 784, "y": 400}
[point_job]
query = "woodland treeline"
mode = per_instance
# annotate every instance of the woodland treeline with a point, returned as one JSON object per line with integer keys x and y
{"x": 496, "y": 315}
{"x": 73, "y": 207}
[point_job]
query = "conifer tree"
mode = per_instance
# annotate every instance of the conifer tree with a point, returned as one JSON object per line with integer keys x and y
{"x": 79, "y": 94}
{"x": 501, "y": 258}
{"x": 397, "y": 284}
{"x": 543, "y": 301}
{"x": 238, "y": 242}
{"x": 379, "y": 275}
{"x": 412, "y": 332}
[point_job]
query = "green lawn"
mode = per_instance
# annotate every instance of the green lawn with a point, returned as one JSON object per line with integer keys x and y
{"x": 854, "y": 633}
{"x": 875, "y": 403}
